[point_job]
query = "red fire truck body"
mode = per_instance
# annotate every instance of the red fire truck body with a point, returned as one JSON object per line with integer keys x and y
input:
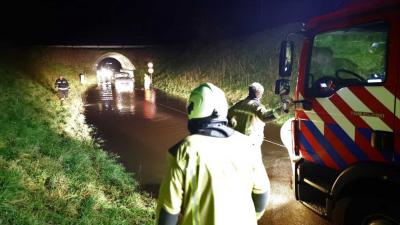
{"x": 346, "y": 129}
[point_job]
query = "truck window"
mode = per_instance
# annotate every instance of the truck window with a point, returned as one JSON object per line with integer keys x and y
{"x": 347, "y": 57}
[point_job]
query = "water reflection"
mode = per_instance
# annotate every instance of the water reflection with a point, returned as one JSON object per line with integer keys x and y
{"x": 124, "y": 99}
{"x": 139, "y": 126}
{"x": 149, "y": 104}
{"x": 125, "y": 102}
{"x": 106, "y": 97}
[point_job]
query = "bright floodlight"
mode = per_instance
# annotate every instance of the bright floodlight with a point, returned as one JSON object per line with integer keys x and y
{"x": 150, "y": 65}
{"x": 106, "y": 73}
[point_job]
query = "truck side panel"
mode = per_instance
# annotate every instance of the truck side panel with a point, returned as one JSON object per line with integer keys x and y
{"x": 396, "y": 60}
{"x": 333, "y": 135}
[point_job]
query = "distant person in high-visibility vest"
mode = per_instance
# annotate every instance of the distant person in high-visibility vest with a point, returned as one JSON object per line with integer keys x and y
{"x": 216, "y": 175}
{"x": 62, "y": 86}
{"x": 249, "y": 115}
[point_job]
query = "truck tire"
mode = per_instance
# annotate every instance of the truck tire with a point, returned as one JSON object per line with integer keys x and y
{"x": 367, "y": 211}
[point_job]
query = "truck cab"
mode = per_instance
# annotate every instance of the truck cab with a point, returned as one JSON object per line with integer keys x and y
{"x": 346, "y": 127}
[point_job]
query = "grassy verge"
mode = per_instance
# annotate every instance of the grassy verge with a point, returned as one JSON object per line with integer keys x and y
{"x": 51, "y": 170}
{"x": 231, "y": 65}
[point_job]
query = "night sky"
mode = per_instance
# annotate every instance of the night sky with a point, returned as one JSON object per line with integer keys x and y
{"x": 130, "y": 22}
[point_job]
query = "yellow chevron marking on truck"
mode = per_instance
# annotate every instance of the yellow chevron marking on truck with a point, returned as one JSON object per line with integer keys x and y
{"x": 383, "y": 95}
{"x": 338, "y": 116}
{"x": 386, "y": 98}
{"x": 398, "y": 108}
{"x": 318, "y": 122}
{"x": 375, "y": 122}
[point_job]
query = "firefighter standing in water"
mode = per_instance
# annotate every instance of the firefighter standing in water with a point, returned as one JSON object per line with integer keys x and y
{"x": 215, "y": 175}
{"x": 249, "y": 115}
{"x": 62, "y": 86}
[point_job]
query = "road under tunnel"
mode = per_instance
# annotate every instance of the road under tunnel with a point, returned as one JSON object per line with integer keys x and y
{"x": 112, "y": 65}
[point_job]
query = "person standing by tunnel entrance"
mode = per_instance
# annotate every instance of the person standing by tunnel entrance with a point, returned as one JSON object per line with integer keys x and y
{"x": 249, "y": 115}
{"x": 146, "y": 82}
{"x": 82, "y": 78}
{"x": 215, "y": 174}
{"x": 62, "y": 86}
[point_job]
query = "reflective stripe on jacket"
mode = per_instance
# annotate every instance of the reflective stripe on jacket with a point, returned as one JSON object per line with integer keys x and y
{"x": 62, "y": 84}
{"x": 210, "y": 181}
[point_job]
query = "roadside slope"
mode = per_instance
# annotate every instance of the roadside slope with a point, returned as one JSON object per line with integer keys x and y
{"x": 231, "y": 65}
{"x": 51, "y": 170}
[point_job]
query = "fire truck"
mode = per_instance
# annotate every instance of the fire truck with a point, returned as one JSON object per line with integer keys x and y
{"x": 346, "y": 126}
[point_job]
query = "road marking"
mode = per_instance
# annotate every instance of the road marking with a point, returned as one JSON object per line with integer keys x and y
{"x": 173, "y": 109}
{"x": 266, "y": 140}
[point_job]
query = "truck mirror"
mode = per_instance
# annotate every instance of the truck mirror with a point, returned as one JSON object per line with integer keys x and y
{"x": 282, "y": 87}
{"x": 286, "y": 58}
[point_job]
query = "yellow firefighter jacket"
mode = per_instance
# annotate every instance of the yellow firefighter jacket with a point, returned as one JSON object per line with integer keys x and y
{"x": 248, "y": 116}
{"x": 210, "y": 181}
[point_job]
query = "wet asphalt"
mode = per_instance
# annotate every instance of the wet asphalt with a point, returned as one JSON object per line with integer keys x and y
{"x": 283, "y": 208}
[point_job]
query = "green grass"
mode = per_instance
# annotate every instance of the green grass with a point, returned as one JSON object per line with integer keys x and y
{"x": 232, "y": 65}
{"x": 51, "y": 170}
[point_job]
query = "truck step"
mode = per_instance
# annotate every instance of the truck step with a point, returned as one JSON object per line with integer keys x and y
{"x": 317, "y": 208}
{"x": 324, "y": 188}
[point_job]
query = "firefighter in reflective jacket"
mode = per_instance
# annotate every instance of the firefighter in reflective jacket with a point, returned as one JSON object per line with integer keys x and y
{"x": 62, "y": 86}
{"x": 215, "y": 175}
{"x": 249, "y": 116}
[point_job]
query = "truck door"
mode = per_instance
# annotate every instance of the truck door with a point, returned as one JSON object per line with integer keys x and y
{"x": 351, "y": 84}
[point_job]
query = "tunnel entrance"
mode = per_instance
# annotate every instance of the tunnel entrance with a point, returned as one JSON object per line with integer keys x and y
{"x": 110, "y": 63}
{"x": 112, "y": 66}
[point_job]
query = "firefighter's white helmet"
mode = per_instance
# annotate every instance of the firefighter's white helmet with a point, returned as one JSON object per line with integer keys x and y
{"x": 207, "y": 101}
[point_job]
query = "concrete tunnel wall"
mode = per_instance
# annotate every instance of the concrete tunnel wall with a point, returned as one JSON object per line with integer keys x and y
{"x": 79, "y": 60}
{"x": 126, "y": 64}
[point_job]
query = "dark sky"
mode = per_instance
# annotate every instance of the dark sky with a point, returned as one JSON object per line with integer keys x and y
{"x": 148, "y": 21}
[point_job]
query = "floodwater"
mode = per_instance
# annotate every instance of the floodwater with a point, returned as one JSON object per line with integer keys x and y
{"x": 141, "y": 125}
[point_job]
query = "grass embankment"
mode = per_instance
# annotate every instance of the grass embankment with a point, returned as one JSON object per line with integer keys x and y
{"x": 51, "y": 170}
{"x": 232, "y": 65}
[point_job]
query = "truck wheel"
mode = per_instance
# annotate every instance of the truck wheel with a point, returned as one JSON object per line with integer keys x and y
{"x": 369, "y": 211}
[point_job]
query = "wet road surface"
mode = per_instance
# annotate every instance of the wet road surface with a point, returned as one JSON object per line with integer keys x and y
{"x": 140, "y": 126}
{"x": 283, "y": 208}
{"x": 137, "y": 129}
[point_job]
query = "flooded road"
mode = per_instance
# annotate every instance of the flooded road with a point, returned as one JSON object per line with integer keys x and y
{"x": 137, "y": 129}
{"x": 140, "y": 126}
